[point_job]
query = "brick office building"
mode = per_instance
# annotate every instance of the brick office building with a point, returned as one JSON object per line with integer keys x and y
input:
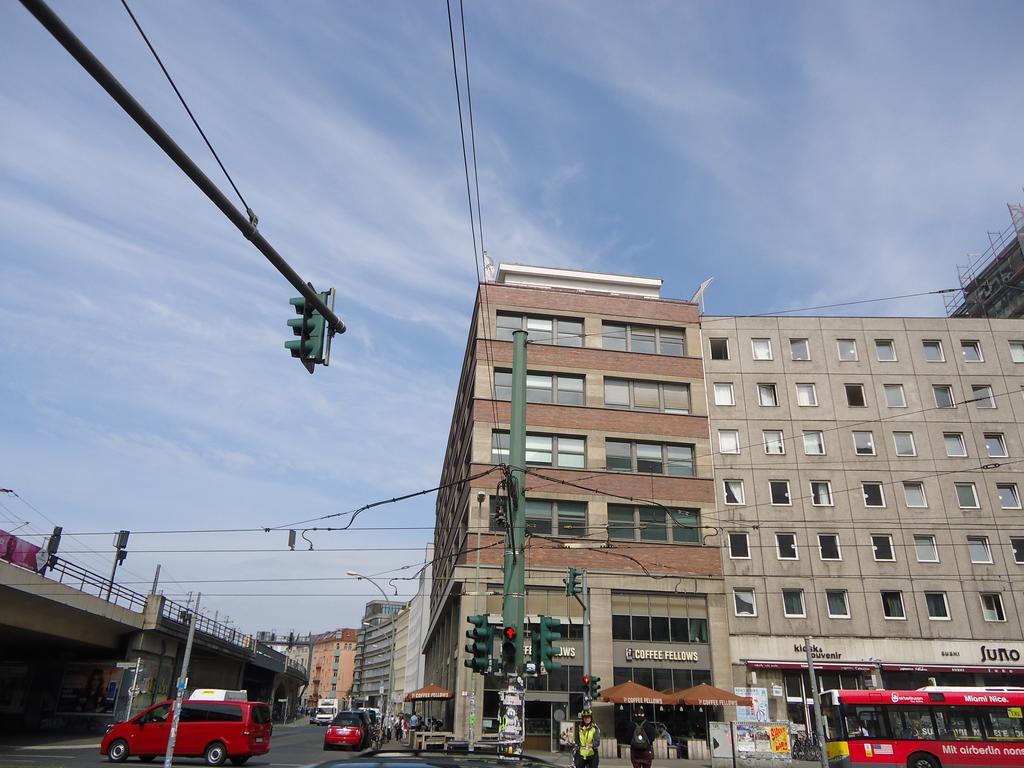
{"x": 616, "y": 411}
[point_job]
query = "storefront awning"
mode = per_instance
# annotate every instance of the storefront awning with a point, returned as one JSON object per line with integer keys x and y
{"x": 838, "y": 666}
{"x": 428, "y": 693}
{"x": 952, "y": 668}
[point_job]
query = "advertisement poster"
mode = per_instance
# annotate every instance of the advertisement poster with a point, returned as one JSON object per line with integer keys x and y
{"x": 779, "y": 735}
{"x": 758, "y": 713}
{"x": 13, "y": 687}
{"x": 567, "y": 733}
{"x": 20, "y": 552}
{"x": 88, "y": 689}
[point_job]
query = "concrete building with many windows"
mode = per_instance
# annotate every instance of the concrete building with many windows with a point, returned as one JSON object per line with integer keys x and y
{"x": 619, "y": 482}
{"x": 375, "y": 652}
{"x": 868, "y": 491}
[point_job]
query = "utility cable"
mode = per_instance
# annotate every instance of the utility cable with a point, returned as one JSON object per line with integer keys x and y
{"x": 253, "y": 219}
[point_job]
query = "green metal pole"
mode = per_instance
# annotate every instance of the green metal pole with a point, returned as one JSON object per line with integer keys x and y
{"x": 513, "y": 606}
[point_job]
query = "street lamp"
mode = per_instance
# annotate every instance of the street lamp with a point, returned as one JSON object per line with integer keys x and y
{"x": 391, "y": 656}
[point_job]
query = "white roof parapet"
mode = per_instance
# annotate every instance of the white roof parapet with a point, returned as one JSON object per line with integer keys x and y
{"x": 579, "y": 280}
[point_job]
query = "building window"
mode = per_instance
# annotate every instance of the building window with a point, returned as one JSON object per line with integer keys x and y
{"x": 793, "y": 603}
{"x": 767, "y": 395}
{"x": 904, "y": 442}
{"x": 821, "y": 493}
{"x": 739, "y": 546}
{"x": 838, "y": 605}
{"x": 543, "y": 450}
{"x": 1017, "y": 548}
{"x": 1017, "y": 351}
{"x": 773, "y": 442}
{"x": 885, "y": 351}
{"x": 806, "y": 395}
{"x": 1008, "y": 496}
{"x": 662, "y": 396}
{"x": 799, "y": 349}
{"x": 646, "y": 339}
{"x": 563, "y": 331}
{"x": 933, "y": 351}
{"x": 719, "y": 349}
{"x": 873, "y": 496}
{"x": 743, "y": 602}
{"x": 650, "y": 458}
{"x": 954, "y": 442}
{"x": 724, "y": 394}
{"x": 542, "y": 388}
{"x": 785, "y": 546}
{"x": 943, "y": 394}
{"x": 814, "y": 442}
{"x": 568, "y": 518}
{"x": 728, "y": 441}
{"x": 992, "y": 606}
{"x": 924, "y": 546}
{"x": 733, "y": 491}
{"x": 864, "y": 443}
{"x": 938, "y": 607}
{"x": 979, "y": 549}
{"x": 655, "y": 524}
{"x": 995, "y": 445}
{"x": 894, "y": 396}
{"x": 779, "y": 492}
{"x": 971, "y": 350}
{"x": 881, "y": 545}
{"x": 847, "y": 349}
{"x": 913, "y": 495}
{"x": 983, "y": 397}
{"x": 761, "y": 349}
{"x": 966, "y": 495}
{"x": 855, "y": 395}
{"x": 828, "y": 546}
{"x": 892, "y": 605}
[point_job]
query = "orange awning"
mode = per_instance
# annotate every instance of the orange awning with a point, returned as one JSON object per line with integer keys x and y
{"x": 634, "y": 693}
{"x": 705, "y": 695}
{"x": 428, "y": 693}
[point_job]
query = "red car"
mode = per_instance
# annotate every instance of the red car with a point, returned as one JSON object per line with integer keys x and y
{"x": 214, "y": 730}
{"x": 348, "y": 730}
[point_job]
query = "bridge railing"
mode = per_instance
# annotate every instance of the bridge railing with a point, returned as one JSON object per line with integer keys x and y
{"x": 91, "y": 583}
{"x": 182, "y": 614}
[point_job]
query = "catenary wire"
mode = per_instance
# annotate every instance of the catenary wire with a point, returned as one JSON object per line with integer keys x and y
{"x": 249, "y": 212}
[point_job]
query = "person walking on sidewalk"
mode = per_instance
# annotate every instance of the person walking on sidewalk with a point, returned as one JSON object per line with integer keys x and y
{"x": 588, "y": 739}
{"x": 641, "y": 743}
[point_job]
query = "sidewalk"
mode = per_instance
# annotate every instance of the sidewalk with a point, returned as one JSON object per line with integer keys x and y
{"x": 564, "y": 759}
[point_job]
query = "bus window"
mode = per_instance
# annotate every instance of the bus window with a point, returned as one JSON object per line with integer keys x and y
{"x": 863, "y": 722}
{"x": 1000, "y": 723}
{"x": 833, "y": 726}
{"x": 910, "y": 723}
{"x": 962, "y": 723}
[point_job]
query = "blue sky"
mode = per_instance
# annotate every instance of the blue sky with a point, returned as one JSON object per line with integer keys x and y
{"x": 800, "y": 153}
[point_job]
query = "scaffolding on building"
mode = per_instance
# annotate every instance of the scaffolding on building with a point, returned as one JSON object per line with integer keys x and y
{"x": 991, "y": 274}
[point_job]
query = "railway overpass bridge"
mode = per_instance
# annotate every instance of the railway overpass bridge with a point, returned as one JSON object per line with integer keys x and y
{"x": 71, "y": 643}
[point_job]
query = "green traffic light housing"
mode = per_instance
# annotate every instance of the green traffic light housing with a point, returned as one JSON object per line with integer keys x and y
{"x": 549, "y": 633}
{"x": 482, "y": 637}
{"x": 313, "y": 347}
{"x": 573, "y": 586}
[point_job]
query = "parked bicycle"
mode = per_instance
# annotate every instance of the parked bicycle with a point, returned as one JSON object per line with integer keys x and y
{"x": 806, "y": 748}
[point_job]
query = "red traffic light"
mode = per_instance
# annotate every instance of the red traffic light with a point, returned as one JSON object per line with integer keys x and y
{"x": 510, "y": 633}
{"x": 586, "y": 679}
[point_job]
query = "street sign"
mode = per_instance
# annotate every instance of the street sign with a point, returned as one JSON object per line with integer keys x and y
{"x": 125, "y": 665}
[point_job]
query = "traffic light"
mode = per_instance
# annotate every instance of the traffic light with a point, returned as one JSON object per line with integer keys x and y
{"x": 572, "y": 583}
{"x": 549, "y": 633}
{"x": 314, "y": 343}
{"x": 591, "y": 686}
{"x": 508, "y": 649}
{"x": 482, "y": 635}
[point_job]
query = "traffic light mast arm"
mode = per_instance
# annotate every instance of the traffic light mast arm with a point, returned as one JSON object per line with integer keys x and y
{"x": 53, "y": 24}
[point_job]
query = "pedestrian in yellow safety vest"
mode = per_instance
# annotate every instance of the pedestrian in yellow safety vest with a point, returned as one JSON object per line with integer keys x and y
{"x": 588, "y": 739}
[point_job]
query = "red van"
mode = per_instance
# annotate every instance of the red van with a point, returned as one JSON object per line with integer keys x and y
{"x": 214, "y": 730}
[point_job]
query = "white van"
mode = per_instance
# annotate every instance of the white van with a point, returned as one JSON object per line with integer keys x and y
{"x": 217, "y": 694}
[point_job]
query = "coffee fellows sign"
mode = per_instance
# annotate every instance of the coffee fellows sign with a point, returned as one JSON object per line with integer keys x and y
{"x": 657, "y": 654}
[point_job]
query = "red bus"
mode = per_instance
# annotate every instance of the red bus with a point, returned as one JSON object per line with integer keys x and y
{"x": 927, "y": 728}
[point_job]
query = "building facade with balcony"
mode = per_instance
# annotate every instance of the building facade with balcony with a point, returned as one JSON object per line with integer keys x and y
{"x": 334, "y": 655}
{"x": 375, "y": 653}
